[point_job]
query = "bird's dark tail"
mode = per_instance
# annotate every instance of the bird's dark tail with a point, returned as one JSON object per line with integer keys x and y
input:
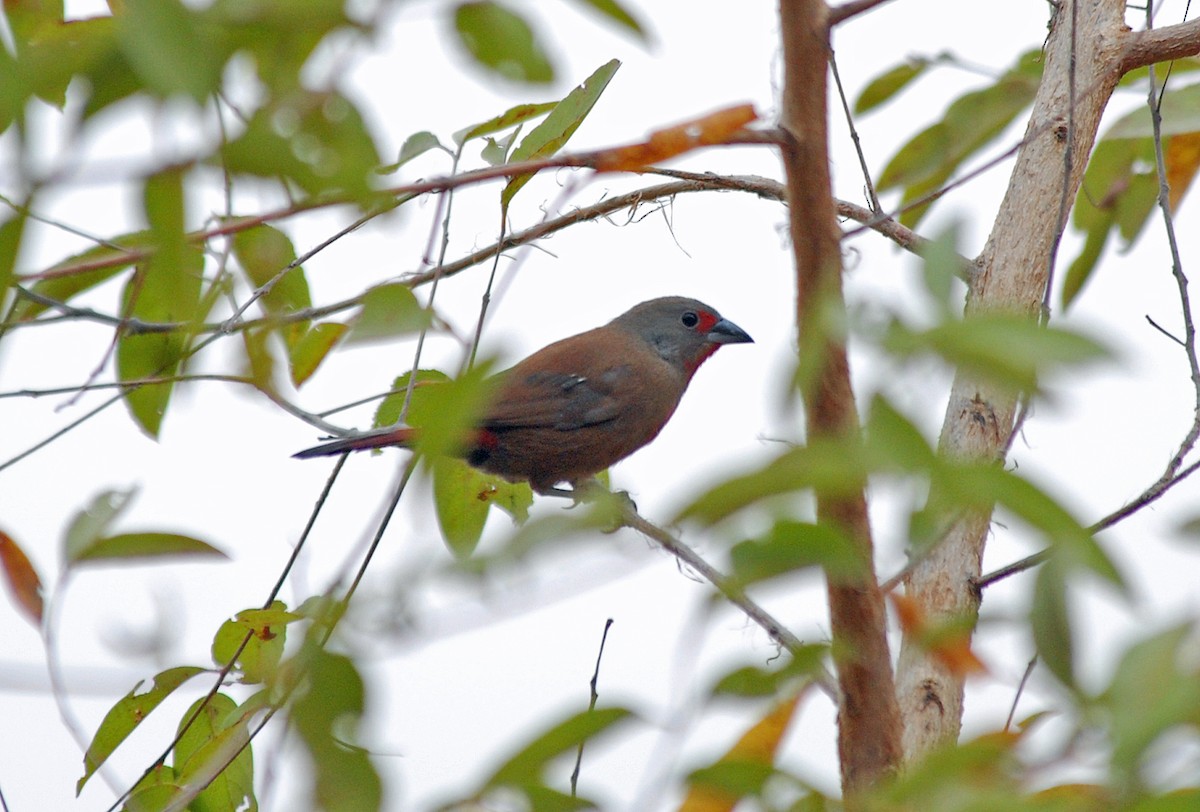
{"x": 402, "y": 437}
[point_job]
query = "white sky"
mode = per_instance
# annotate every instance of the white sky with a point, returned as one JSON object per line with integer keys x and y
{"x": 482, "y": 672}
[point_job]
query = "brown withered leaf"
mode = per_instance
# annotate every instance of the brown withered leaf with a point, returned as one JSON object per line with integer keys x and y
{"x": 23, "y": 580}
{"x": 1182, "y": 156}
{"x": 714, "y": 128}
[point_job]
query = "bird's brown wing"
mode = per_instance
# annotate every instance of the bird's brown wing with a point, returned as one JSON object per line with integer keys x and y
{"x": 559, "y": 400}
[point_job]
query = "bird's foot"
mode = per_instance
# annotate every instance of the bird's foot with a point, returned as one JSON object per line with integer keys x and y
{"x": 613, "y": 505}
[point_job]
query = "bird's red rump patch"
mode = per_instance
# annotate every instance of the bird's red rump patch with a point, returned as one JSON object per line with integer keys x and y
{"x": 487, "y": 440}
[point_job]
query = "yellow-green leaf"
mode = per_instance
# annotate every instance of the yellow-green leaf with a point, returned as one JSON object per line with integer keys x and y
{"x": 129, "y": 712}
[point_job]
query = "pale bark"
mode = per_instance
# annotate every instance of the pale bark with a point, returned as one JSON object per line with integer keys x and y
{"x": 1012, "y": 275}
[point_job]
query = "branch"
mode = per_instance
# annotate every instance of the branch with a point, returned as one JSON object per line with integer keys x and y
{"x": 730, "y": 590}
{"x": 1144, "y": 48}
{"x": 613, "y": 159}
{"x": 868, "y": 717}
{"x": 839, "y": 14}
{"x": 687, "y": 183}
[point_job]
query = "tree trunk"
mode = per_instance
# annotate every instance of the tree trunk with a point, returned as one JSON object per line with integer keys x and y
{"x": 868, "y": 716}
{"x": 1012, "y": 275}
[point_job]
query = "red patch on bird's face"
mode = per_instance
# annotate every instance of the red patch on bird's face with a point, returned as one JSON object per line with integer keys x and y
{"x": 707, "y": 320}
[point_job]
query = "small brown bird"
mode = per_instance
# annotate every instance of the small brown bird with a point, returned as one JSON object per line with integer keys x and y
{"x": 574, "y": 408}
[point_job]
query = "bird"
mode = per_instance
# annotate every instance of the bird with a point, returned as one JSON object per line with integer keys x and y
{"x": 577, "y": 406}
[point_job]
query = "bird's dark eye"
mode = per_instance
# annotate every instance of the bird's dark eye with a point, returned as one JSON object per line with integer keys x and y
{"x": 689, "y": 319}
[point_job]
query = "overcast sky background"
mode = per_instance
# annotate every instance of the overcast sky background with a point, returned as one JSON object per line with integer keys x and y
{"x": 458, "y": 678}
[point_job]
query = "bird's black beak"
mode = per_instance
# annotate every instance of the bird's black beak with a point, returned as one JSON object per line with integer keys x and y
{"x": 726, "y": 332}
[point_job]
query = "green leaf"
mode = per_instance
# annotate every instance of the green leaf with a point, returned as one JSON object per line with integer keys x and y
{"x": 970, "y": 123}
{"x": 833, "y": 466}
{"x": 308, "y": 351}
{"x": 791, "y": 546}
{"x": 159, "y": 291}
{"x": 319, "y": 141}
{"x": 733, "y": 779}
{"x": 754, "y": 681}
{"x": 415, "y": 145}
{"x": 1010, "y": 349}
{"x": 506, "y": 120}
{"x": 85, "y": 48}
{"x": 10, "y": 245}
{"x": 127, "y": 714}
{"x": 893, "y": 442}
{"x": 64, "y": 288}
{"x": 145, "y": 546}
{"x": 979, "y": 485}
{"x": 165, "y": 43}
{"x": 387, "y": 311}
{"x": 460, "y": 497}
{"x": 201, "y": 753}
{"x": 1180, "y": 111}
{"x": 527, "y": 765}
{"x": 942, "y": 269}
{"x": 974, "y": 775}
{"x": 155, "y": 791}
{"x": 280, "y": 36}
{"x": 388, "y": 411}
{"x": 1049, "y": 617}
{"x": 263, "y": 253}
{"x": 1155, "y": 688}
{"x": 91, "y": 524}
{"x": 548, "y": 137}
{"x": 617, "y": 13}
{"x": 463, "y": 496}
{"x": 501, "y": 41}
{"x": 327, "y": 718}
{"x": 1115, "y": 168}
{"x": 15, "y": 92}
{"x": 886, "y": 85}
{"x": 30, "y": 19}
{"x": 1079, "y": 272}
{"x": 447, "y": 412}
{"x": 165, "y": 288}
{"x": 267, "y": 630}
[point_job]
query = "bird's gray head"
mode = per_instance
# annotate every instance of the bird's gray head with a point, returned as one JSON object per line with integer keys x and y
{"x": 684, "y": 332}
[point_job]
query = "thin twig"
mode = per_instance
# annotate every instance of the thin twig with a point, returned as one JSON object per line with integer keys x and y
{"x": 1012, "y": 711}
{"x": 872, "y": 197}
{"x": 839, "y": 14}
{"x": 591, "y": 705}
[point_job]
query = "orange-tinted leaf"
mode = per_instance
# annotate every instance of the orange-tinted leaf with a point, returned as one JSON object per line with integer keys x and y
{"x": 948, "y": 642}
{"x": 1182, "y": 155}
{"x": 755, "y": 749}
{"x": 23, "y": 580}
{"x": 714, "y": 128}
{"x": 908, "y": 613}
